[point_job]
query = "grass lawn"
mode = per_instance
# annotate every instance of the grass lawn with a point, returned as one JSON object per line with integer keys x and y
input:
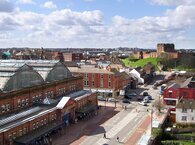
{"x": 178, "y": 141}
{"x": 140, "y": 62}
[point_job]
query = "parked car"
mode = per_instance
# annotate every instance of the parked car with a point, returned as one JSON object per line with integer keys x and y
{"x": 149, "y": 97}
{"x": 101, "y": 98}
{"x": 145, "y": 94}
{"x": 127, "y": 96}
{"x": 112, "y": 100}
{"x": 131, "y": 94}
{"x": 126, "y": 101}
{"x": 143, "y": 103}
{"x": 146, "y": 100}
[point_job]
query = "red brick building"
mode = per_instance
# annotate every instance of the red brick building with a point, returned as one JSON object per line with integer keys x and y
{"x": 30, "y": 94}
{"x": 72, "y": 56}
{"x": 108, "y": 82}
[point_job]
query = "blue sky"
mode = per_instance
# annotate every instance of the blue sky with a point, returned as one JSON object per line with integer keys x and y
{"x": 97, "y": 23}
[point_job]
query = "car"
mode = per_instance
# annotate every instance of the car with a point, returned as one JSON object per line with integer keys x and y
{"x": 143, "y": 103}
{"x": 145, "y": 93}
{"x": 131, "y": 94}
{"x": 146, "y": 100}
{"x": 112, "y": 100}
{"x": 128, "y": 96}
{"x": 149, "y": 97}
{"x": 126, "y": 101}
{"x": 101, "y": 98}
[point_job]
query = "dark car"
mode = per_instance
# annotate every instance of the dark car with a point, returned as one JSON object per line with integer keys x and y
{"x": 126, "y": 101}
{"x": 145, "y": 94}
{"x": 128, "y": 96}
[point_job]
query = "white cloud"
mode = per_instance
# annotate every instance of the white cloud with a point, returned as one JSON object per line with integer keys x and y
{"x": 67, "y": 28}
{"x": 49, "y": 5}
{"x": 26, "y": 1}
{"x": 173, "y": 2}
{"x": 6, "y": 6}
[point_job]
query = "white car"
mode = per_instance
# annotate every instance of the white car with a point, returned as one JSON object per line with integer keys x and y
{"x": 146, "y": 100}
{"x": 143, "y": 103}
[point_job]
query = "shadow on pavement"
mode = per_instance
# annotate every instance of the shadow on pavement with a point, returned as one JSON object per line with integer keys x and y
{"x": 87, "y": 127}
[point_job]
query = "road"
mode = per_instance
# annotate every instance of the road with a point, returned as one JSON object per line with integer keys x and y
{"x": 127, "y": 123}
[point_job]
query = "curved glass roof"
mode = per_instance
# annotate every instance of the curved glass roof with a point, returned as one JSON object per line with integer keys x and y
{"x": 17, "y": 74}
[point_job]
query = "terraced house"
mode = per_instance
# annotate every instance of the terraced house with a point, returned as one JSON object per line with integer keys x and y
{"x": 39, "y": 97}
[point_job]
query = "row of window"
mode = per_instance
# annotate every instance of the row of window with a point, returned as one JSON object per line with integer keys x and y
{"x": 61, "y": 91}
{"x": 101, "y": 76}
{"x": 184, "y": 110}
{"x": 39, "y": 124}
{"x": 23, "y": 102}
{"x": 86, "y": 83}
{"x": 184, "y": 118}
{"x": 22, "y": 131}
{"x": 49, "y": 94}
{"x": 5, "y": 108}
{"x": 37, "y": 98}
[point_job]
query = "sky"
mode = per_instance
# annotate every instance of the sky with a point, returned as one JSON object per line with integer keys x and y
{"x": 97, "y": 23}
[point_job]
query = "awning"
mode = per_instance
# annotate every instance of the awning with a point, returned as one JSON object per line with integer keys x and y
{"x": 36, "y": 134}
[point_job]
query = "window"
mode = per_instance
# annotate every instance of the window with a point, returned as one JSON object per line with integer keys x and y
{"x": 93, "y": 76}
{"x": 185, "y": 94}
{"x": 109, "y": 84}
{"x": 184, "y": 110}
{"x": 184, "y": 118}
{"x": 170, "y": 94}
{"x": 19, "y": 102}
{"x": 42, "y": 122}
{"x": 192, "y": 118}
{"x": 93, "y": 83}
{"x": 37, "y": 124}
{"x": 45, "y": 121}
{"x": 20, "y": 132}
{"x": 14, "y": 135}
{"x": 102, "y": 76}
{"x": 34, "y": 126}
{"x": 86, "y": 76}
{"x": 24, "y": 130}
{"x": 191, "y": 110}
{"x": 109, "y": 77}
{"x": 86, "y": 83}
{"x": 102, "y": 83}
{"x": 33, "y": 99}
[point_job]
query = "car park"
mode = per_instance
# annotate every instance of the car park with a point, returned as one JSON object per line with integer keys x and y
{"x": 126, "y": 101}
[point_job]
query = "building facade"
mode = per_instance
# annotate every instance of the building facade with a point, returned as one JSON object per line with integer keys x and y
{"x": 185, "y": 111}
{"x": 30, "y": 96}
{"x": 107, "y": 81}
{"x": 175, "y": 92}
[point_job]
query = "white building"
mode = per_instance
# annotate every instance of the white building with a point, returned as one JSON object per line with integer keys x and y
{"x": 185, "y": 111}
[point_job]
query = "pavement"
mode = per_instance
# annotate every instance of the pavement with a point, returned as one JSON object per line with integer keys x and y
{"x": 129, "y": 125}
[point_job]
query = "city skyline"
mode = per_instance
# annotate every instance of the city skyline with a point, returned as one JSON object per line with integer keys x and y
{"x": 97, "y": 23}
